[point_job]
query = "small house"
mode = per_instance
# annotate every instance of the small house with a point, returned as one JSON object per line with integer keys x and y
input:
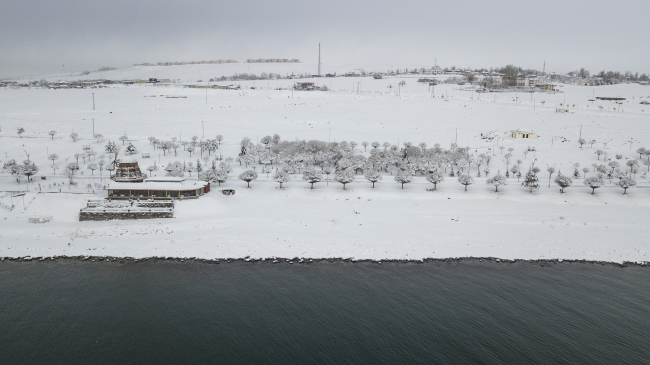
{"x": 522, "y": 134}
{"x": 309, "y": 86}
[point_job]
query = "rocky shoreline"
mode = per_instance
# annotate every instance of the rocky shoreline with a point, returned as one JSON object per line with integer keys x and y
{"x": 307, "y": 260}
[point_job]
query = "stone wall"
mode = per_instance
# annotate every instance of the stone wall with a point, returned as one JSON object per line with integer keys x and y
{"x": 107, "y": 216}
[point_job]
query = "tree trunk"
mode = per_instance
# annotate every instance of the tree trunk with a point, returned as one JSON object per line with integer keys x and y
{"x": 373, "y": 184}
{"x": 248, "y": 183}
{"x": 465, "y": 187}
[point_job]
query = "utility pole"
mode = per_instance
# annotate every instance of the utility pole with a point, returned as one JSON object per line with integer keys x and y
{"x": 93, "y": 101}
{"x": 93, "y": 127}
{"x": 456, "y": 137}
{"x": 203, "y": 127}
{"x": 580, "y": 131}
{"x": 206, "y": 96}
{"x": 318, "y": 59}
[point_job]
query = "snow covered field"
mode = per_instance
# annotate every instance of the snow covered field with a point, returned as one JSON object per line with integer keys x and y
{"x": 359, "y": 222}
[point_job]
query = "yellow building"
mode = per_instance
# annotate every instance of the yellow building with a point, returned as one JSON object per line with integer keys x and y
{"x": 520, "y": 134}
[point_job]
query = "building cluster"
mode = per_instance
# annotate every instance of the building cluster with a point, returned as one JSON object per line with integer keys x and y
{"x": 214, "y": 62}
{"x": 273, "y": 60}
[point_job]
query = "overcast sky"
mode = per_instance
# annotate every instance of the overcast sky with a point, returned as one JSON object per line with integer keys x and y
{"x": 39, "y": 36}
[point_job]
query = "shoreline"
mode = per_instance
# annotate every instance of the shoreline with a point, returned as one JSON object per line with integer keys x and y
{"x": 308, "y": 260}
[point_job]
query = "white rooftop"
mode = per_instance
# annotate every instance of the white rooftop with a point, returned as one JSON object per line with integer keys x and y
{"x": 158, "y": 185}
{"x": 164, "y": 179}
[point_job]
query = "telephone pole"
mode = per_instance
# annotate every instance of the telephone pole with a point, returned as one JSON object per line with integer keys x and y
{"x": 318, "y": 59}
{"x": 93, "y": 101}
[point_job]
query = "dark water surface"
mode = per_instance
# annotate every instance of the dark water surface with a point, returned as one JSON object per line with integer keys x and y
{"x": 470, "y": 312}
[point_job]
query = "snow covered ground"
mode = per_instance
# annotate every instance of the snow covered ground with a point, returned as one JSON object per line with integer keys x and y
{"x": 359, "y": 222}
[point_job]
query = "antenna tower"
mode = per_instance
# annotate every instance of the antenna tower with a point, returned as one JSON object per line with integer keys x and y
{"x": 318, "y": 59}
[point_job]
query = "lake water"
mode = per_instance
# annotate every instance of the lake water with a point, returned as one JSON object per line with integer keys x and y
{"x": 467, "y": 312}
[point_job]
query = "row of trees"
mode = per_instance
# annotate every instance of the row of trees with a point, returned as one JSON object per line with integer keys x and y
{"x": 316, "y": 160}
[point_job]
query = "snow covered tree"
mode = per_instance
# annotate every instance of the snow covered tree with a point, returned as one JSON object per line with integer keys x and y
{"x": 207, "y": 175}
{"x": 435, "y": 178}
{"x": 110, "y": 147}
{"x": 221, "y": 176}
{"x": 219, "y": 138}
{"x": 98, "y": 137}
{"x": 375, "y": 144}
{"x": 581, "y": 141}
{"x": 344, "y": 177}
{"x": 327, "y": 171}
{"x": 18, "y": 171}
{"x": 281, "y": 177}
{"x": 585, "y": 170}
{"x": 52, "y": 133}
{"x": 175, "y": 169}
{"x": 20, "y": 131}
{"x": 190, "y": 168}
{"x": 373, "y": 176}
{"x": 74, "y": 136}
{"x": 497, "y": 180}
{"x": 550, "y": 171}
{"x": 312, "y": 175}
{"x": 92, "y": 167}
{"x": 266, "y": 169}
{"x": 28, "y": 169}
{"x": 641, "y": 151}
{"x": 531, "y": 182}
{"x": 465, "y": 180}
{"x": 53, "y": 157}
{"x": 152, "y": 169}
{"x": 598, "y": 153}
{"x": 626, "y": 183}
{"x": 365, "y": 145}
{"x": 123, "y": 138}
{"x": 632, "y": 164}
{"x": 594, "y": 183}
{"x": 71, "y": 171}
{"x": 403, "y": 177}
{"x": 248, "y": 176}
{"x": 535, "y": 170}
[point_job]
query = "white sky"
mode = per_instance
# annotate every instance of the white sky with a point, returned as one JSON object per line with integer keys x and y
{"x": 39, "y": 36}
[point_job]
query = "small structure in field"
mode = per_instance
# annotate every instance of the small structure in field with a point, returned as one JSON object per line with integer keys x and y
{"x": 145, "y": 155}
{"x": 522, "y": 134}
{"x": 609, "y": 98}
{"x": 561, "y": 110}
{"x": 39, "y": 219}
{"x": 228, "y": 191}
{"x": 309, "y": 86}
